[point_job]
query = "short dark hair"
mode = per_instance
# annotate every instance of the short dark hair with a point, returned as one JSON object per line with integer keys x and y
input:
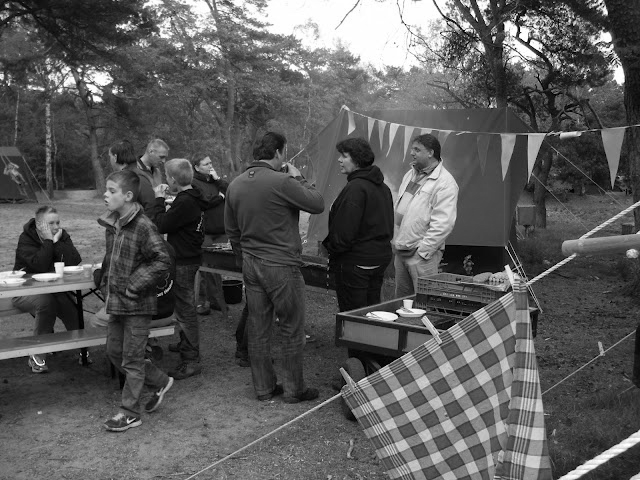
{"x": 124, "y": 152}
{"x": 430, "y": 142}
{"x": 44, "y": 210}
{"x": 128, "y": 181}
{"x": 269, "y": 145}
{"x": 359, "y": 149}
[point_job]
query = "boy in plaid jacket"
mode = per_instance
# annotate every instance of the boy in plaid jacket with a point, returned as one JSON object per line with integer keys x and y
{"x": 135, "y": 261}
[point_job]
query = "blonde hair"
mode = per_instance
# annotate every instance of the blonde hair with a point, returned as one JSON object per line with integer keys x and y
{"x": 180, "y": 169}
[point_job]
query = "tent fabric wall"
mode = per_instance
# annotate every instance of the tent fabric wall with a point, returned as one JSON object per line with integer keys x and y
{"x": 16, "y": 180}
{"x": 486, "y": 203}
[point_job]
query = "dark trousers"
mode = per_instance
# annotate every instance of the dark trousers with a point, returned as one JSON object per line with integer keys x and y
{"x": 357, "y": 287}
{"x": 242, "y": 334}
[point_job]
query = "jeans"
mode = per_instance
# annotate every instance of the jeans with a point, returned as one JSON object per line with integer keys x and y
{"x": 357, "y": 287}
{"x": 279, "y": 289}
{"x": 126, "y": 344}
{"x": 242, "y": 334}
{"x": 186, "y": 312}
{"x": 46, "y": 307}
{"x": 408, "y": 269}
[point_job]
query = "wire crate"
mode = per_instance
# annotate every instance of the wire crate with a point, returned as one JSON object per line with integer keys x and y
{"x": 458, "y": 287}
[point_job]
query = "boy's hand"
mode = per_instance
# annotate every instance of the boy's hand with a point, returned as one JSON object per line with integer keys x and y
{"x": 130, "y": 294}
{"x": 161, "y": 190}
{"x": 57, "y": 236}
{"x": 44, "y": 230}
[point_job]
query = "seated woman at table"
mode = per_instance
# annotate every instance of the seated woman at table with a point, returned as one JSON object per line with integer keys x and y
{"x": 360, "y": 228}
{"x": 42, "y": 243}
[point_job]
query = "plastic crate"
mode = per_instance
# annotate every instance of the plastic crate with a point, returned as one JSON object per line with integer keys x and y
{"x": 458, "y": 287}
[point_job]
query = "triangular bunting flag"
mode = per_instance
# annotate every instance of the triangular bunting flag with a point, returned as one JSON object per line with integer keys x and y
{"x": 442, "y": 137}
{"x": 565, "y": 135}
{"x": 508, "y": 142}
{"x": 352, "y": 122}
{"x": 381, "y": 126}
{"x": 534, "y": 142}
{"x": 393, "y": 129}
{"x": 424, "y": 131}
{"x": 370, "y": 122}
{"x": 612, "y": 140}
{"x": 408, "y": 135}
{"x": 483, "y": 145}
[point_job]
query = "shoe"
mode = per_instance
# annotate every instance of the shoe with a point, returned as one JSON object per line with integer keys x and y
{"x": 122, "y": 422}
{"x": 310, "y": 338}
{"x": 278, "y": 390}
{"x": 308, "y": 394}
{"x": 89, "y": 360}
{"x": 38, "y": 364}
{"x": 156, "y": 399}
{"x": 203, "y": 309}
{"x": 243, "y": 362}
{"x": 186, "y": 370}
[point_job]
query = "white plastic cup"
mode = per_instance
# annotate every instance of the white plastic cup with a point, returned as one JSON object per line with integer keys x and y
{"x": 86, "y": 270}
{"x": 407, "y": 303}
{"x": 59, "y": 266}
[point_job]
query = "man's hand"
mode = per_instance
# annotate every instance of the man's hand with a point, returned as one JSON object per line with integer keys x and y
{"x": 293, "y": 171}
{"x": 213, "y": 173}
{"x": 44, "y": 230}
{"x": 161, "y": 190}
{"x": 57, "y": 236}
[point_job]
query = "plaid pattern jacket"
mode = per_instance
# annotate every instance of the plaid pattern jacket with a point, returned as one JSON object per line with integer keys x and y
{"x": 136, "y": 259}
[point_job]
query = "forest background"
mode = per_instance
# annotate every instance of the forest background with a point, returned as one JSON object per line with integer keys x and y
{"x": 209, "y": 77}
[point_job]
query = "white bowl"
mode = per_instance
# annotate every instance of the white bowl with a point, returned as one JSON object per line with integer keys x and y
{"x": 73, "y": 269}
{"x": 414, "y": 312}
{"x": 11, "y": 281}
{"x": 382, "y": 316}
{"x": 12, "y": 274}
{"x": 46, "y": 277}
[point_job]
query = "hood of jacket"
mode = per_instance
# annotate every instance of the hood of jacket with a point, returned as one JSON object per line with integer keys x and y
{"x": 202, "y": 177}
{"x": 371, "y": 173}
{"x": 31, "y": 231}
{"x": 198, "y": 196}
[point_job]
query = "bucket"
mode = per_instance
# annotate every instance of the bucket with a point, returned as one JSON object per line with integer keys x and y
{"x": 232, "y": 291}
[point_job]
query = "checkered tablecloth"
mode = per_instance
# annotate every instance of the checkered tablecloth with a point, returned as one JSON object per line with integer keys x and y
{"x": 469, "y": 408}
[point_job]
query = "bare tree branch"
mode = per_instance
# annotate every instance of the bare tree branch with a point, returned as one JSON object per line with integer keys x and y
{"x": 348, "y": 13}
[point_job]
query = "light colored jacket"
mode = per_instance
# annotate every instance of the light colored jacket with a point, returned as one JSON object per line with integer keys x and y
{"x": 430, "y": 216}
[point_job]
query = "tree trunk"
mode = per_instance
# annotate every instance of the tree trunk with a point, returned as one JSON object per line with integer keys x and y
{"x": 47, "y": 147}
{"x": 541, "y": 171}
{"x": 92, "y": 123}
{"x": 624, "y": 18}
{"x": 15, "y": 134}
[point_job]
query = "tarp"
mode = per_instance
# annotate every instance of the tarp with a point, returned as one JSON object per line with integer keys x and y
{"x": 16, "y": 180}
{"x": 491, "y": 169}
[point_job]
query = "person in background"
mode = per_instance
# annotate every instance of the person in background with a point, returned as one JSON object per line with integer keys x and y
{"x": 136, "y": 260}
{"x": 183, "y": 223}
{"x": 42, "y": 243}
{"x": 262, "y": 212}
{"x": 425, "y": 214}
{"x": 213, "y": 188}
{"x": 360, "y": 228}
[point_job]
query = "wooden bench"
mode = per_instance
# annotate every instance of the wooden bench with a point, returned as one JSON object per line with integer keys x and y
{"x": 56, "y": 342}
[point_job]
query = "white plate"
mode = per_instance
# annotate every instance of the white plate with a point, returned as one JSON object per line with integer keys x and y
{"x": 76, "y": 269}
{"x": 415, "y": 313}
{"x": 11, "y": 281}
{"x": 46, "y": 277}
{"x": 382, "y": 316}
{"x": 12, "y": 274}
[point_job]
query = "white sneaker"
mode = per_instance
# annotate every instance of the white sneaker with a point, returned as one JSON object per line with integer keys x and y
{"x": 38, "y": 364}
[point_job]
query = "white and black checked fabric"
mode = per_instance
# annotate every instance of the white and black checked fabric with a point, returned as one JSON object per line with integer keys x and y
{"x": 469, "y": 408}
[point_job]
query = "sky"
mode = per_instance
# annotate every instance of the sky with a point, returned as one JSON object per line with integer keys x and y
{"x": 373, "y": 30}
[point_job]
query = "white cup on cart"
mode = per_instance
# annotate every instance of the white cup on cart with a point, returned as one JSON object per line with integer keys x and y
{"x": 59, "y": 266}
{"x": 407, "y": 303}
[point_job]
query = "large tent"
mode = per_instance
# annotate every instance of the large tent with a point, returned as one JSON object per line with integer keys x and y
{"x": 479, "y": 148}
{"x": 16, "y": 179}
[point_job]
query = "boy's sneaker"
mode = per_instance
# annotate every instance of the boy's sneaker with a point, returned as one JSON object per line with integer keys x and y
{"x": 122, "y": 422}
{"x": 156, "y": 399}
{"x": 203, "y": 309}
{"x": 38, "y": 364}
{"x": 89, "y": 360}
{"x": 186, "y": 370}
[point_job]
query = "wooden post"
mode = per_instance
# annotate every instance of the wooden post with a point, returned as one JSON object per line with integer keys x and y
{"x": 601, "y": 245}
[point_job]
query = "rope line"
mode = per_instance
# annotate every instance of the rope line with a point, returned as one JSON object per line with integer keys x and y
{"x": 265, "y": 436}
{"x": 589, "y": 362}
{"x": 604, "y": 457}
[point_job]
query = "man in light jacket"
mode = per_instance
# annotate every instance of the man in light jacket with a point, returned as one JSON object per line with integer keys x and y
{"x": 425, "y": 214}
